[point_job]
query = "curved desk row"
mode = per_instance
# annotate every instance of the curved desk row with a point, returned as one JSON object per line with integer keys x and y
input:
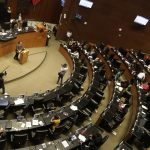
{"x": 78, "y": 107}
{"x": 71, "y": 142}
{"x": 138, "y": 119}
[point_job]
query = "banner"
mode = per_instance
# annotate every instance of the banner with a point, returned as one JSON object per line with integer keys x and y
{"x": 35, "y": 2}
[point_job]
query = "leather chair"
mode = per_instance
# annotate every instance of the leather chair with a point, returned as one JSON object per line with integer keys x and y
{"x": 2, "y": 144}
{"x": 39, "y": 135}
{"x": 19, "y": 140}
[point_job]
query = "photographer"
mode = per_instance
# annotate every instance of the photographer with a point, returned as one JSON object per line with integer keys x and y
{"x": 2, "y": 81}
{"x": 61, "y": 73}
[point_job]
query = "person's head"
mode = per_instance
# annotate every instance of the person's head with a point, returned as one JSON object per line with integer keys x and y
{"x": 56, "y": 117}
{"x": 97, "y": 59}
{"x": 65, "y": 65}
{"x": 19, "y": 42}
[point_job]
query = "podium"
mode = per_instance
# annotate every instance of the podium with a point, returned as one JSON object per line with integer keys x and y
{"x": 24, "y": 56}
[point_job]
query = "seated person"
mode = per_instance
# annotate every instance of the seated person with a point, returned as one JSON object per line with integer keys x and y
{"x": 55, "y": 122}
{"x": 121, "y": 104}
{"x": 2, "y": 133}
{"x": 144, "y": 86}
{"x": 93, "y": 54}
{"x": 141, "y": 76}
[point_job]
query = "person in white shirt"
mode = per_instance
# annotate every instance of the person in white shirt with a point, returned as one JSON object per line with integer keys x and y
{"x": 141, "y": 76}
{"x": 61, "y": 73}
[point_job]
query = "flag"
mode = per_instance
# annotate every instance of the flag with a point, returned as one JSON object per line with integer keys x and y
{"x": 35, "y": 2}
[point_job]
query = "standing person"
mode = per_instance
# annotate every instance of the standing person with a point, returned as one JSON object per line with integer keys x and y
{"x": 2, "y": 86}
{"x": 19, "y": 17}
{"x": 62, "y": 72}
{"x": 19, "y": 48}
{"x": 47, "y": 39}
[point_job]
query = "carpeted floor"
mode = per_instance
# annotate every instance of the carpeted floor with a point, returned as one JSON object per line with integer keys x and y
{"x": 42, "y": 78}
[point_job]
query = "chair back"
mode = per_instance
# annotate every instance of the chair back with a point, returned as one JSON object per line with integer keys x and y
{"x": 19, "y": 139}
{"x": 2, "y": 143}
{"x": 40, "y": 135}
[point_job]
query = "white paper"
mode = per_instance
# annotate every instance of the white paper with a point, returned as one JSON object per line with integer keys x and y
{"x": 19, "y": 101}
{"x": 65, "y": 144}
{"x": 22, "y": 125}
{"x": 44, "y": 145}
{"x": 73, "y": 107}
{"x": 41, "y": 123}
{"x": 82, "y": 138}
{"x": 35, "y": 122}
{"x": 144, "y": 107}
{"x": 28, "y": 124}
{"x": 118, "y": 83}
{"x": 73, "y": 138}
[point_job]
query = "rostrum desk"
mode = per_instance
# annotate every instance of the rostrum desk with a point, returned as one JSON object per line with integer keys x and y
{"x": 28, "y": 38}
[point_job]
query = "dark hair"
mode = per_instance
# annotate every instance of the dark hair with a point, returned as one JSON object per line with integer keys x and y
{"x": 64, "y": 65}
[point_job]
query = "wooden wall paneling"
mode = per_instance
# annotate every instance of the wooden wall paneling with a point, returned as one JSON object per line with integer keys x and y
{"x": 46, "y": 10}
{"x": 104, "y": 20}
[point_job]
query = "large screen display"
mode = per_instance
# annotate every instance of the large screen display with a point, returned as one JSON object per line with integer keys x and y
{"x": 141, "y": 20}
{"x": 86, "y": 3}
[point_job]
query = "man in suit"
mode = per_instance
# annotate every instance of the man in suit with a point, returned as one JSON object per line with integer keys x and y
{"x": 2, "y": 86}
{"x": 19, "y": 48}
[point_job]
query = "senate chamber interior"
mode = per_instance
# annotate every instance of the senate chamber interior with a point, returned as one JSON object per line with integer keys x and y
{"x": 74, "y": 75}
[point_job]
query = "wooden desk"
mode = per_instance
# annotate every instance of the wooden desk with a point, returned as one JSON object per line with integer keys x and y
{"x": 29, "y": 40}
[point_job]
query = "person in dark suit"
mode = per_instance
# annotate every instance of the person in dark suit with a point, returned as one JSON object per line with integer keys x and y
{"x": 2, "y": 86}
{"x": 47, "y": 39}
{"x": 19, "y": 48}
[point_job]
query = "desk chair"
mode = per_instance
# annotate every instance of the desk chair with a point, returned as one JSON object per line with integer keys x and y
{"x": 19, "y": 139}
{"x": 58, "y": 131}
{"x": 81, "y": 117}
{"x": 49, "y": 106}
{"x": 38, "y": 110}
{"x": 2, "y": 114}
{"x": 39, "y": 135}
{"x": 75, "y": 89}
{"x": 104, "y": 139}
{"x": 2, "y": 144}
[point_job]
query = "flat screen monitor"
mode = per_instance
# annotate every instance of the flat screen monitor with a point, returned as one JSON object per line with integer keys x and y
{"x": 86, "y": 3}
{"x": 141, "y": 20}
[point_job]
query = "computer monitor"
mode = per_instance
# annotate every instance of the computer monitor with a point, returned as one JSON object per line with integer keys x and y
{"x": 86, "y": 3}
{"x": 141, "y": 20}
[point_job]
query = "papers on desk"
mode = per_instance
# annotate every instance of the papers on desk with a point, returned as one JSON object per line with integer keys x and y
{"x": 119, "y": 88}
{"x": 41, "y": 123}
{"x": 44, "y": 145}
{"x": 35, "y": 122}
{"x": 82, "y": 138}
{"x": 144, "y": 107}
{"x": 28, "y": 124}
{"x": 118, "y": 83}
{"x": 65, "y": 144}
{"x": 73, "y": 138}
{"x": 22, "y": 125}
{"x": 73, "y": 107}
{"x": 19, "y": 101}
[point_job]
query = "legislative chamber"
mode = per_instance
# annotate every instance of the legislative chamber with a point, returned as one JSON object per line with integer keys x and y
{"x": 102, "y": 101}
